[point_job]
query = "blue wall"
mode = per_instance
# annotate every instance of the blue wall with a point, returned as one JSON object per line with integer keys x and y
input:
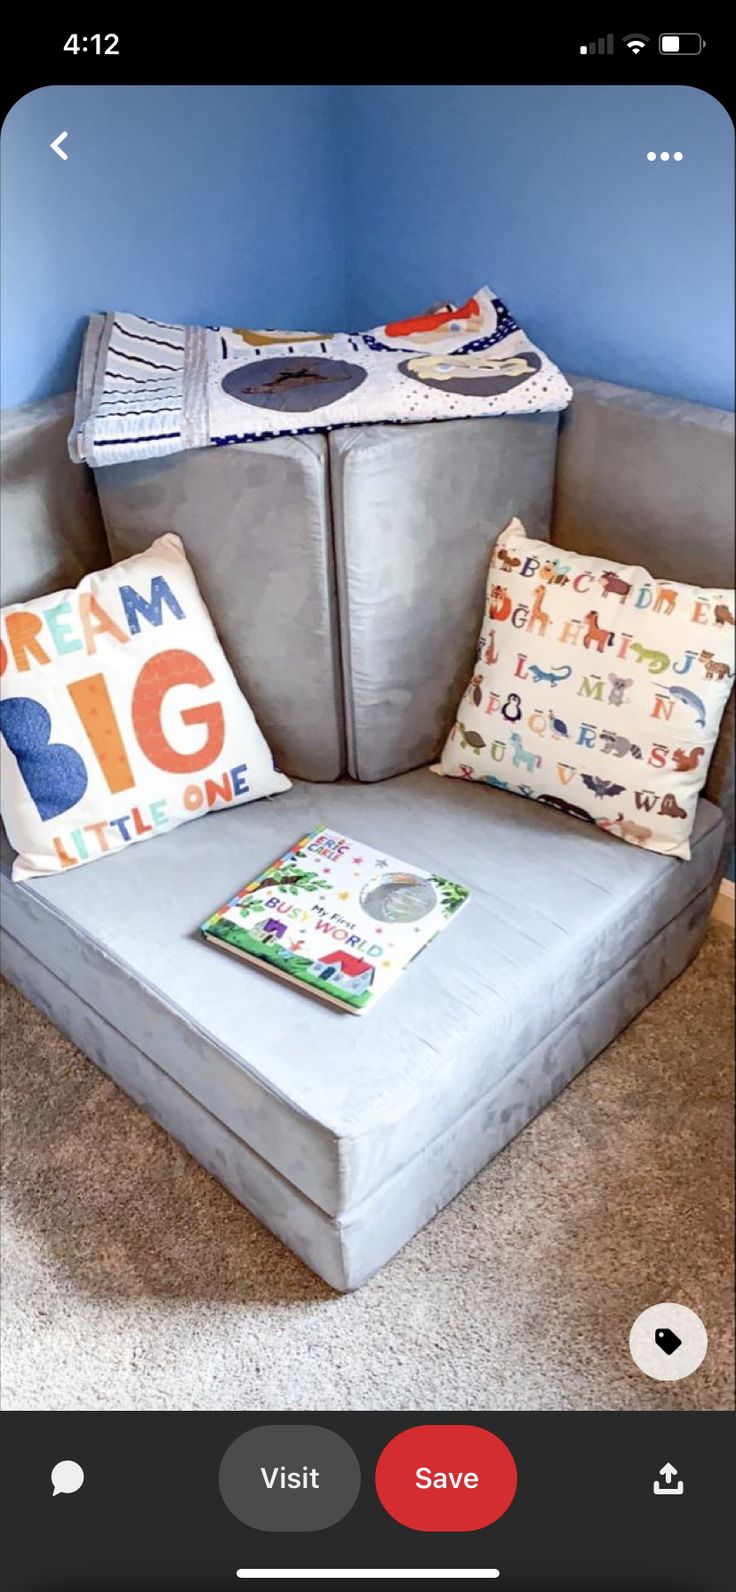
{"x": 190, "y": 204}
{"x": 619, "y": 268}
{"x": 327, "y": 206}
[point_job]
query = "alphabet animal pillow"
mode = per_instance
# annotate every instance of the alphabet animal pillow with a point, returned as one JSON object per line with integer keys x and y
{"x": 120, "y": 715}
{"x": 598, "y": 690}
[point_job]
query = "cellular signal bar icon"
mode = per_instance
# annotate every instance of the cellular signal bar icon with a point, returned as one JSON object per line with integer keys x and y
{"x": 603, "y": 47}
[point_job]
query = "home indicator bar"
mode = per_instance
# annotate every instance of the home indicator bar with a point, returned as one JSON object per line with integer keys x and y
{"x": 367, "y": 1575}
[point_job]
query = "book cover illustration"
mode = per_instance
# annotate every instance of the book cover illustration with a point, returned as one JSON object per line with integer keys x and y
{"x": 337, "y": 917}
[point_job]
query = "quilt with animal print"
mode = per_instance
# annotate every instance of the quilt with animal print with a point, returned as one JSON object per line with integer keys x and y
{"x": 597, "y": 690}
{"x": 146, "y": 387}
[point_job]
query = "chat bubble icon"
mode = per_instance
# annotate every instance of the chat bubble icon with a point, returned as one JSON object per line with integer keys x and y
{"x": 66, "y": 1477}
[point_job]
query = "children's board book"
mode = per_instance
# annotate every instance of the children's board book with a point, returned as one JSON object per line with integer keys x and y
{"x": 336, "y": 918}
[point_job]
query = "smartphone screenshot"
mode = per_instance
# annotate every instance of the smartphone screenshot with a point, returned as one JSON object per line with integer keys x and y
{"x": 367, "y": 650}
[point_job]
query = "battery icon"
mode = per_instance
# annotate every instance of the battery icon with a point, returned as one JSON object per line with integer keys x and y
{"x": 680, "y": 43}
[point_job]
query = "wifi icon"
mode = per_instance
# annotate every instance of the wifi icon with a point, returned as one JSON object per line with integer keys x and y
{"x": 635, "y": 42}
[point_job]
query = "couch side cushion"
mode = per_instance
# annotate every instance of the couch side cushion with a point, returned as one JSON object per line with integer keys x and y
{"x": 416, "y": 512}
{"x": 255, "y": 524}
{"x": 52, "y": 530}
{"x": 646, "y": 480}
{"x": 338, "y": 1104}
{"x": 649, "y": 480}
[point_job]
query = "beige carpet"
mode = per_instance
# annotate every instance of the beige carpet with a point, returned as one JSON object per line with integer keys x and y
{"x": 132, "y": 1280}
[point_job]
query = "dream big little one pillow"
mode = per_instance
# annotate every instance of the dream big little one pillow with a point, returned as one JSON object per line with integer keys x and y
{"x": 597, "y": 690}
{"x": 120, "y": 715}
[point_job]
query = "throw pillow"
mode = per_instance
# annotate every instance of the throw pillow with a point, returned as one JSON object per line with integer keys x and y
{"x": 598, "y": 690}
{"x": 120, "y": 715}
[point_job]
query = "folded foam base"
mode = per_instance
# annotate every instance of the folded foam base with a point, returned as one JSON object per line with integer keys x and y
{"x": 347, "y": 1250}
{"x": 339, "y": 1106}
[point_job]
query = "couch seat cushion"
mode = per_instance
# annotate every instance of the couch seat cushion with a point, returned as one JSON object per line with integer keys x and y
{"x": 338, "y": 1104}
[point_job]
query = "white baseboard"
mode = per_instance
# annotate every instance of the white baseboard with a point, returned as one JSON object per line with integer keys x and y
{"x": 723, "y": 906}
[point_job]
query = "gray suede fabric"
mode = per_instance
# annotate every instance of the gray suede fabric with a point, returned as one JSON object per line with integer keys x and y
{"x": 348, "y": 1249}
{"x": 649, "y": 480}
{"x": 52, "y": 531}
{"x": 338, "y": 1104}
{"x": 416, "y": 512}
{"x": 255, "y": 523}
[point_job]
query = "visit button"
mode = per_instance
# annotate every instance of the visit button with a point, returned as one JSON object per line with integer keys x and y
{"x": 446, "y": 1478}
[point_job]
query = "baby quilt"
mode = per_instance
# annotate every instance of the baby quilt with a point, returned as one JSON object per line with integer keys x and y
{"x": 147, "y": 388}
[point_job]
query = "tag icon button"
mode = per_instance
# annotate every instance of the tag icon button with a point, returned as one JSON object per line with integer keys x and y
{"x": 667, "y": 1340}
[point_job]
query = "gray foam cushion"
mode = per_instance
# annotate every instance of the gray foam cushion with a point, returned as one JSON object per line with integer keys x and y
{"x": 416, "y": 511}
{"x": 337, "y": 1103}
{"x": 348, "y": 1248}
{"x": 649, "y": 480}
{"x": 255, "y": 524}
{"x": 52, "y": 531}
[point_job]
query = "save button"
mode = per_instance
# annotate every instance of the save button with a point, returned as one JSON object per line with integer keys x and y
{"x": 446, "y": 1478}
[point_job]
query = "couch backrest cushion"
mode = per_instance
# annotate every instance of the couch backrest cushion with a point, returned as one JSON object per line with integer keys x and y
{"x": 416, "y": 511}
{"x": 255, "y": 524}
{"x": 648, "y": 480}
{"x": 52, "y": 531}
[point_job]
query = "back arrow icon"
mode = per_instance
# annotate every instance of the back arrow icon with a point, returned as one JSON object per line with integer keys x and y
{"x": 55, "y": 146}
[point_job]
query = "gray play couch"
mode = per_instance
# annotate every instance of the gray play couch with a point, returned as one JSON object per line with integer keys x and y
{"x": 345, "y": 575}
